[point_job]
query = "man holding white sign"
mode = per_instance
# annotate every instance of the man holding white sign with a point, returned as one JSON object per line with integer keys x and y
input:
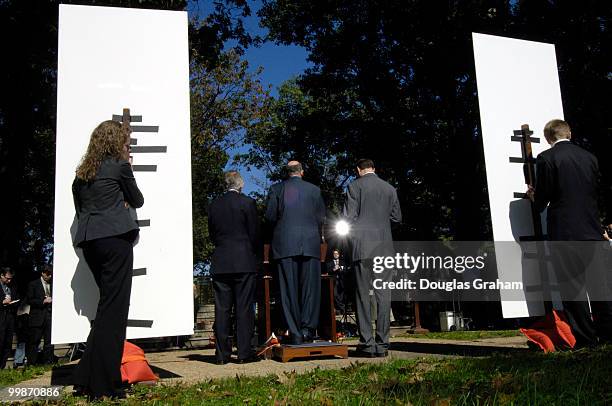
{"x": 567, "y": 182}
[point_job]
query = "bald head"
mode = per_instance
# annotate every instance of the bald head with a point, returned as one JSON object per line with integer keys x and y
{"x": 294, "y": 168}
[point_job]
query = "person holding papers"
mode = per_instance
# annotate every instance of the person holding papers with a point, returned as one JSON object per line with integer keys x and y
{"x": 8, "y": 314}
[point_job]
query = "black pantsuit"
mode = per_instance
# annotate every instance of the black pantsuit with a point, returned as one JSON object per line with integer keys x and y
{"x": 110, "y": 260}
{"x": 106, "y": 232}
{"x": 300, "y": 287}
{"x": 238, "y": 288}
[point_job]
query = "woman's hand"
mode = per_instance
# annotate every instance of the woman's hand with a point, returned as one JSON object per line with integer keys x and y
{"x": 530, "y": 193}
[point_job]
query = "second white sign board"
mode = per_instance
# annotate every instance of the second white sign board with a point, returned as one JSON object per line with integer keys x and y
{"x": 518, "y": 83}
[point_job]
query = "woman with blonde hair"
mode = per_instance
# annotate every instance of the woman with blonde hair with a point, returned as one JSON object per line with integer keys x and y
{"x": 104, "y": 189}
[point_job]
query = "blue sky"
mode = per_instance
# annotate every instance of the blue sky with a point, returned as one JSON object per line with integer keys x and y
{"x": 279, "y": 64}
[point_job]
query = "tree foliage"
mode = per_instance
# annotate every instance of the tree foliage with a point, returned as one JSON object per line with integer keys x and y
{"x": 395, "y": 81}
{"x": 225, "y": 101}
{"x": 296, "y": 127}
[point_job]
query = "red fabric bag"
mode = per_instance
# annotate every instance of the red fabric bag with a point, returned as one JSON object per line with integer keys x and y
{"x": 134, "y": 365}
{"x": 551, "y": 333}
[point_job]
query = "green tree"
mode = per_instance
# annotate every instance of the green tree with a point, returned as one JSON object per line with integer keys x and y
{"x": 395, "y": 81}
{"x": 296, "y": 128}
{"x": 225, "y": 101}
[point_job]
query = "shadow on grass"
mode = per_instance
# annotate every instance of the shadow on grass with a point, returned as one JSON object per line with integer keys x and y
{"x": 456, "y": 349}
{"x": 164, "y": 373}
{"x": 209, "y": 359}
{"x": 62, "y": 375}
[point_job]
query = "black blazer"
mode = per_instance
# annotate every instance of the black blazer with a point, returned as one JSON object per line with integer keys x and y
{"x": 100, "y": 204}
{"x": 234, "y": 229}
{"x": 567, "y": 181}
{"x": 38, "y": 310}
{"x": 329, "y": 266}
{"x": 14, "y": 296}
{"x": 297, "y": 211}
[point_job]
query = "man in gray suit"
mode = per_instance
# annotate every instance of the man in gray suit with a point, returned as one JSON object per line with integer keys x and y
{"x": 296, "y": 210}
{"x": 371, "y": 204}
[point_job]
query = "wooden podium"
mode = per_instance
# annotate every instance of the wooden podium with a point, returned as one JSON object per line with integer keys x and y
{"x": 310, "y": 350}
{"x": 327, "y": 317}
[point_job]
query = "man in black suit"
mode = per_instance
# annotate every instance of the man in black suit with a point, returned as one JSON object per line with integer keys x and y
{"x": 336, "y": 268}
{"x": 296, "y": 210}
{"x": 370, "y": 206}
{"x": 567, "y": 182}
{"x": 234, "y": 229}
{"x": 8, "y": 314}
{"x": 40, "y": 300}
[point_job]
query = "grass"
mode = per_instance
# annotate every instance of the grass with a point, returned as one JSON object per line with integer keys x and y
{"x": 570, "y": 378}
{"x": 11, "y": 376}
{"x": 456, "y": 335}
{"x": 466, "y": 335}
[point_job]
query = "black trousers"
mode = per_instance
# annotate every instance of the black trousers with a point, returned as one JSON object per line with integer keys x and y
{"x": 300, "y": 287}
{"x": 111, "y": 261}
{"x": 237, "y": 291}
{"x": 7, "y": 329}
{"x": 36, "y": 333}
{"x": 339, "y": 301}
{"x": 571, "y": 262}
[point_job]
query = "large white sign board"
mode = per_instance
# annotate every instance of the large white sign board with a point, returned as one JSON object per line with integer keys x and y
{"x": 518, "y": 83}
{"x": 110, "y": 59}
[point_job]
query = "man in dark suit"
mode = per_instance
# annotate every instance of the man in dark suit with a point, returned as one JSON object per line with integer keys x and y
{"x": 8, "y": 314}
{"x": 567, "y": 182}
{"x": 336, "y": 268}
{"x": 296, "y": 210}
{"x": 40, "y": 300}
{"x": 234, "y": 229}
{"x": 371, "y": 204}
